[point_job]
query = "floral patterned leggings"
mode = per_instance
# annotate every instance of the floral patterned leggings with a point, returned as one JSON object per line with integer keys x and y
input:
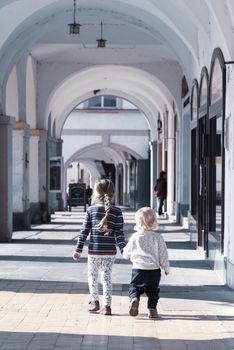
{"x": 105, "y": 265}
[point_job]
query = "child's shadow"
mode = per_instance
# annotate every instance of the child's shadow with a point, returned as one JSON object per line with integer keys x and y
{"x": 145, "y": 317}
{"x": 139, "y": 317}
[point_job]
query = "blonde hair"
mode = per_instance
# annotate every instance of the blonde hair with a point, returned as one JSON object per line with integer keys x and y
{"x": 146, "y": 219}
{"x": 104, "y": 190}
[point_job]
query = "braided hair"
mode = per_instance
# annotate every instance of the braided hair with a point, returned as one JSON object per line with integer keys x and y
{"x": 104, "y": 190}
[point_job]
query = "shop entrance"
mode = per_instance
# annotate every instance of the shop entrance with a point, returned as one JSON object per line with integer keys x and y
{"x": 202, "y": 183}
{"x": 215, "y": 189}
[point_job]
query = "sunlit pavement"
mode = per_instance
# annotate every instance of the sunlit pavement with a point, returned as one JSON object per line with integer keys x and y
{"x": 44, "y": 296}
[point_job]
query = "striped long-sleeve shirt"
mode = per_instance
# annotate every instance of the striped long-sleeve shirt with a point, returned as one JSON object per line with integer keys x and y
{"x": 99, "y": 242}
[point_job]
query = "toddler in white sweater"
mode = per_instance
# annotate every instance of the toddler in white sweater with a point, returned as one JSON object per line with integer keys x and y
{"x": 148, "y": 253}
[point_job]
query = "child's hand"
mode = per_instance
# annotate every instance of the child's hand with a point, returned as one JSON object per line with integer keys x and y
{"x": 166, "y": 272}
{"x": 76, "y": 256}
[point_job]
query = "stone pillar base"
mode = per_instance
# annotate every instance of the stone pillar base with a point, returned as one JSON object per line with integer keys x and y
{"x": 60, "y": 202}
{"x": 21, "y": 221}
{"x": 230, "y": 274}
{"x": 38, "y": 213}
{"x": 6, "y": 123}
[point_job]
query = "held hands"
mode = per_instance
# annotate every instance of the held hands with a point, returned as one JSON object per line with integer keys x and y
{"x": 166, "y": 272}
{"x": 76, "y": 256}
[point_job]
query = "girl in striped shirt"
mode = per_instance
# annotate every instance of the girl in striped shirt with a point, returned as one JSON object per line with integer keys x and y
{"x": 104, "y": 224}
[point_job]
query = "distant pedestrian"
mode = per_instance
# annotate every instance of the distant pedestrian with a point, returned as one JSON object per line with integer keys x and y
{"x": 88, "y": 194}
{"x": 160, "y": 191}
{"x": 104, "y": 223}
{"x": 148, "y": 253}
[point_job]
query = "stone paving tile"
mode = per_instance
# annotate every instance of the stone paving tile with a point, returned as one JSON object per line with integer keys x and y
{"x": 44, "y": 298}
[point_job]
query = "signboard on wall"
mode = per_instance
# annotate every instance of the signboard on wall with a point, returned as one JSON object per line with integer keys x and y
{"x": 55, "y": 174}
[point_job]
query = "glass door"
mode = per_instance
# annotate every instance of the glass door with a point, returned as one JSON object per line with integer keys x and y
{"x": 202, "y": 183}
{"x": 194, "y": 172}
{"x": 215, "y": 183}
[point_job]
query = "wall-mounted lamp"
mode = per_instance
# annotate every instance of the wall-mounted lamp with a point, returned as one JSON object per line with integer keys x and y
{"x": 74, "y": 28}
{"x": 159, "y": 126}
{"x": 101, "y": 42}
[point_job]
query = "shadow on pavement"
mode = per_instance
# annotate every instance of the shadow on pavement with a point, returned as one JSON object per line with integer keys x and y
{"x": 212, "y": 293}
{"x": 56, "y": 259}
{"x": 77, "y": 341}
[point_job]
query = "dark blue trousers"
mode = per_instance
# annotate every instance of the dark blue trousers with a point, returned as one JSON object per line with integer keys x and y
{"x": 160, "y": 206}
{"x": 145, "y": 281}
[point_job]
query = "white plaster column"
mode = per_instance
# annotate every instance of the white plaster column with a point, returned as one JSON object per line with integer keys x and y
{"x": 117, "y": 184}
{"x": 170, "y": 166}
{"x": 6, "y": 123}
{"x": 59, "y": 194}
{"x": 34, "y": 176}
{"x": 59, "y": 147}
{"x": 21, "y": 208}
{"x": 43, "y": 174}
{"x": 21, "y": 79}
{"x": 153, "y": 172}
{"x": 127, "y": 195}
{"x": 43, "y": 160}
{"x": 34, "y": 166}
{"x": 229, "y": 180}
{"x": 183, "y": 168}
{"x": 64, "y": 193}
{"x": 125, "y": 182}
{"x": 52, "y": 196}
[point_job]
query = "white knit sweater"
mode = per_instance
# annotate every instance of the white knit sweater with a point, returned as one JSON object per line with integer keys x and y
{"x": 147, "y": 251}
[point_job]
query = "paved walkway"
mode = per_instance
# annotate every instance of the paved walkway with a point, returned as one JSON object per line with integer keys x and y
{"x": 44, "y": 297}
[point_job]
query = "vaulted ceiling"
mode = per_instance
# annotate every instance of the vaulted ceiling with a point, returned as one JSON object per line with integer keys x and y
{"x": 181, "y": 34}
{"x": 138, "y": 31}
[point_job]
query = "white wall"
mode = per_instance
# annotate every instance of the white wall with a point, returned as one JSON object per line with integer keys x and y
{"x": 229, "y": 179}
{"x": 72, "y": 174}
{"x": 12, "y": 96}
{"x": 51, "y": 75}
{"x": 73, "y": 143}
{"x": 106, "y": 120}
{"x": 139, "y": 144}
{"x": 34, "y": 169}
{"x": 92, "y": 128}
{"x": 17, "y": 170}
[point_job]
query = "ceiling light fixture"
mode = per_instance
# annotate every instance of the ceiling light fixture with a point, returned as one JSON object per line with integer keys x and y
{"x": 101, "y": 42}
{"x": 74, "y": 28}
